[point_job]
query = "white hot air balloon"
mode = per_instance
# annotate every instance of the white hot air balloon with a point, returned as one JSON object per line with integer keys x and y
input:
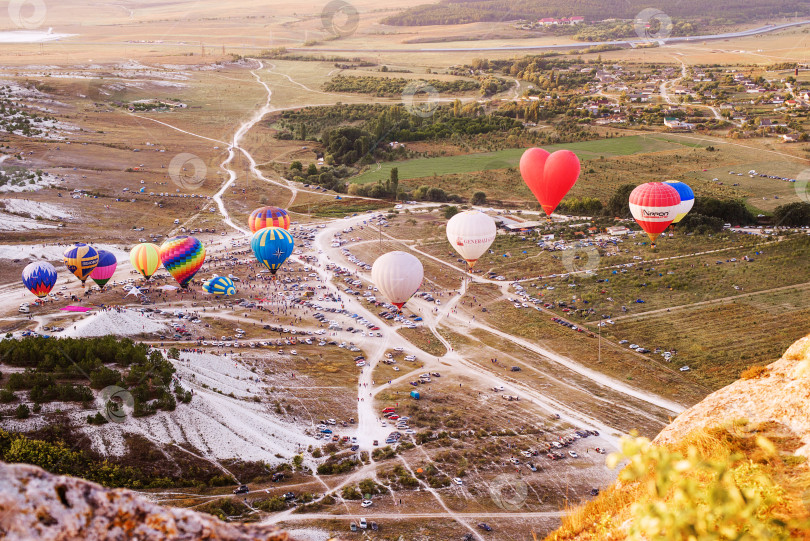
{"x": 397, "y": 275}
{"x": 471, "y": 233}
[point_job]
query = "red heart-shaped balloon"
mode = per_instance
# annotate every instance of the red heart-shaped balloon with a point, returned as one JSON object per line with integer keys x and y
{"x": 549, "y": 176}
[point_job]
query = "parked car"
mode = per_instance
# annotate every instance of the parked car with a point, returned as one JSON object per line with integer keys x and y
{"x": 366, "y": 503}
{"x": 241, "y": 489}
{"x": 484, "y": 526}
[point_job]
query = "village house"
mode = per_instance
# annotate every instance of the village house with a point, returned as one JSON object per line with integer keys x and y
{"x": 676, "y": 124}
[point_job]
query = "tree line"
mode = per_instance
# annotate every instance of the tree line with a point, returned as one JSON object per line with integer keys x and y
{"x": 447, "y": 12}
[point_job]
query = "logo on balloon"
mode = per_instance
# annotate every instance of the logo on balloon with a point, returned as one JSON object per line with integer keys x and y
{"x": 187, "y": 171}
{"x": 340, "y": 18}
{"x": 28, "y": 14}
{"x": 420, "y": 99}
{"x": 801, "y": 187}
{"x": 581, "y": 259}
{"x": 653, "y": 24}
{"x": 509, "y": 492}
{"x": 115, "y": 403}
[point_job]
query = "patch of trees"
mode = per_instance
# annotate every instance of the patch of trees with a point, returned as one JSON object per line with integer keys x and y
{"x": 613, "y": 30}
{"x": 333, "y": 467}
{"x": 792, "y": 214}
{"x": 395, "y": 86}
{"x": 368, "y": 142}
{"x": 585, "y": 206}
{"x": 66, "y": 369}
{"x": 731, "y": 211}
{"x": 700, "y": 224}
{"x": 619, "y": 203}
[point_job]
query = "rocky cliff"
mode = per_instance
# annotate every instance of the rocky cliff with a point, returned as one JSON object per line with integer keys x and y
{"x": 35, "y": 504}
{"x": 777, "y": 395}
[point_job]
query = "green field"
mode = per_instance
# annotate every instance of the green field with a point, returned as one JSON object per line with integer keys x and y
{"x": 502, "y": 159}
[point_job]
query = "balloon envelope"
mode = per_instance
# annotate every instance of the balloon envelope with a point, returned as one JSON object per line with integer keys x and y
{"x": 268, "y": 217}
{"x": 145, "y": 258}
{"x": 272, "y": 246}
{"x": 654, "y": 205}
{"x": 220, "y": 285}
{"x": 39, "y": 277}
{"x": 549, "y": 176}
{"x": 471, "y": 233}
{"x": 687, "y": 199}
{"x": 81, "y": 259}
{"x": 105, "y": 268}
{"x": 397, "y": 275}
{"x": 182, "y": 257}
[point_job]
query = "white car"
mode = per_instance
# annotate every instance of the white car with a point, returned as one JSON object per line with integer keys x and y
{"x": 458, "y": 481}
{"x": 366, "y": 503}
{"x": 573, "y": 454}
{"x": 293, "y": 352}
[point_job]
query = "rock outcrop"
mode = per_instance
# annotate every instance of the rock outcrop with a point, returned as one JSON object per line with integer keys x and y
{"x": 779, "y": 396}
{"x": 35, "y": 504}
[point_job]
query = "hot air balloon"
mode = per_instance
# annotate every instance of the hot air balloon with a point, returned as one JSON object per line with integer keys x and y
{"x": 268, "y": 217}
{"x": 39, "y": 277}
{"x": 471, "y": 233}
{"x": 397, "y": 275}
{"x": 272, "y": 246}
{"x": 105, "y": 268}
{"x": 182, "y": 256}
{"x": 145, "y": 257}
{"x": 81, "y": 259}
{"x": 219, "y": 285}
{"x": 687, "y": 199}
{"x": 549, "y": 176}
{"x": 654, "y": 205}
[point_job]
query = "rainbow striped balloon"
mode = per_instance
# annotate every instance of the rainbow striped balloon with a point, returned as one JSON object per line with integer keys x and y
{"x": 145, "y": 257}
{"x": 81, "y": 259}
{"x": 268, "y": 217}
{"x": 220, "y": 285}
{"x": 182, "y": 256}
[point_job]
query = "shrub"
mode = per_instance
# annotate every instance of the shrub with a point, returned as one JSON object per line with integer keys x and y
{"x": 270, "y": 505}
{"x": 22, "y": 412}
{"x": 754, "y": 372}
{"x": 98, "y": 419}
{"x": 351, "y": 493}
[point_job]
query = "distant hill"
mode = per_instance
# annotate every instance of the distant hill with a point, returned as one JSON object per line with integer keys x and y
{"x": 471, "y": 11}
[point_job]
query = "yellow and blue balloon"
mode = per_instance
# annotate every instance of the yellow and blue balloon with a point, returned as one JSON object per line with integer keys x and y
{"x": 219, "y": 285}
{"x": 272, "y": 246}
{"x": 81, "y": 259}
{"x": 687, "y": 199}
